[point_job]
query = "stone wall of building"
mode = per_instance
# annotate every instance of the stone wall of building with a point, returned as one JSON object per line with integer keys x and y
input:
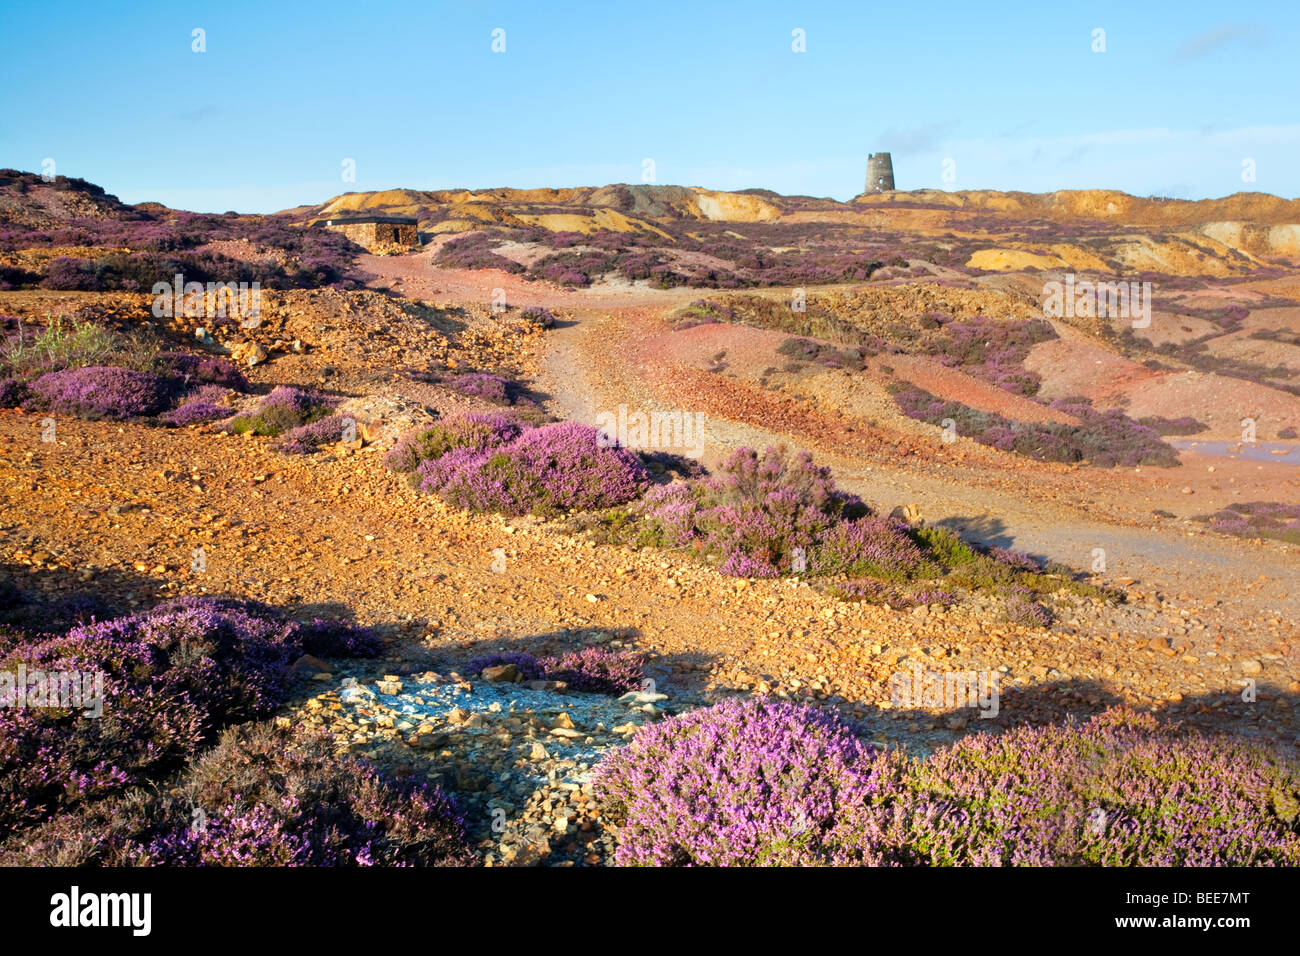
{"x": 880, "y": 173}
{"x": 380, "y": 236}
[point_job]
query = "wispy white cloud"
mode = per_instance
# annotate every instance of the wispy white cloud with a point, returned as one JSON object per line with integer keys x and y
{"x": 1203, "y": 44}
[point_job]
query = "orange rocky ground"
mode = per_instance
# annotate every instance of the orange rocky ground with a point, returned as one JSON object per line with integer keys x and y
{"x": 120, "y": 509}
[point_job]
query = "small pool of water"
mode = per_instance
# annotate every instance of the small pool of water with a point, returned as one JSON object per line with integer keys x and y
{"x": 1287, "y": 453}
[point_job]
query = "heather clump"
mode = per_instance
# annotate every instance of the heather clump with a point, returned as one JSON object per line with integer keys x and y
{"x": 752, "y": 516}
{"x": 597, "y": 670}
{"x": 1103, "y": 439}
{"x": 538, "y": 316}
{"x": 60, "y": 344}
{"x": 168, "y": 679}
{"x": 271, "y": 797}
{"x": 328, "y": 637}
{"x": 285, "y": 408}
{"x": 465, "y": 430}
{"x": 750, "y": 783}
{"x": 1183, "y": 425}
{"x": 1116, "y": 790}
{"x": 875, "y": 547}
{"x": 195, "y": 413}
{"x": 193, "y": 371}
{"x": 1258, "y": 519}
{"x": 772, "y": 515}
{"x": 547, "y": 470}
{"x": 1019, "y": 607}
{"x": 991, "y": 349}
{"x": 485, "y": 386}
{"x": 828, "y": 356}
{"x": 306, "y": 439}
{"x": 101, "y": 392}
{"x": 264, "y": 796}
{"x": 13, "y": 392}
{"x": 764, "y": 781}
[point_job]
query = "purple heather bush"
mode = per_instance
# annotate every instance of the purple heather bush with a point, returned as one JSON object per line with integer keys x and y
{"x": 490, "y": 388}
{"x": 13, "y": 392}
{"x": 283, "y": 409}
{"x": 195, "y": 413}
{"x": 1014, "y": 559}
{"x": 101, "y": 392}
{"x": 1020, "y": 608}
{"x": 1258, "y": 519}
{"x": 752, "y": 514}
{"x": 874, "y": 547}
{"x": 1117, "y": 790}
{"x": 269, "y": 797}
{"x": 172, "y": 677}
{"x": 194, "y": 370}
{"x": 560, "y": 467}
{"x": 1184, "y": 425}
{"x": 464, "y": 430}
{"x": 597, "y": 670}
{"x": 772, "y": 782}
{"x": 305, "y": 439}
{"x": 325, "y": 637}
{"x": 750, "y": 783}
{"x": 1104, "y": 439}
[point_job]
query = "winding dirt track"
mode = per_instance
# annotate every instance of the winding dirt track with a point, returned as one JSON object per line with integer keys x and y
{"x": 598, "y": 359}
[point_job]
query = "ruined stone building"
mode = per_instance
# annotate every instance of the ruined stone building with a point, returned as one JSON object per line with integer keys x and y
{"x": 378, "y": 233}
{"x": 880, "y": 173}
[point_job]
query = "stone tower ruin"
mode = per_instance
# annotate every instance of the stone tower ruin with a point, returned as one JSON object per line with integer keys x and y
{"x": 880, "y": 173}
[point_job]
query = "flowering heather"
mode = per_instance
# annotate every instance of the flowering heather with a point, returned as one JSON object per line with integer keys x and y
{"x": 993, "y": 350}
{"x": 192, "y": 370}
{"x": 325, "y": 637}
{"x": 305, "y": 439}
{"x": 101, "y": 392}
{"x": 593, "y": 669}
{"x": 1184, "y": 425}
{"x": 468, "y": 430}
{"x": 869, "y": 591}
{"x": 564, "y": 466}
{"x": 474, "y": 251}
{"x": 750, "y": 515}
{"x": 172, "y": 677}
{"x": 758, "y": 782}
{"x": 283, "y": 409}
{"x": 1104, "y": 439}
{"x": 195, "y": 413}
{"x": 268, "y": 797}
{"x": 1115, "y": 791}
{"x": 309, "y": 806}
{"x": 873, "y": 546}
{"x": 490, "y": 388}
{"x": 597, "y": 670}
{"x": 1014, "y": 559}
{"x": 1020, "y": 608}
{"x": 1258, "y": 519}
{"x": 539, "y": 316}
{"x": 13, "y": 392}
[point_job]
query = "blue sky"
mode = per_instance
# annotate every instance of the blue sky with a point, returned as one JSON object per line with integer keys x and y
{"x": 1012, "y": 95}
